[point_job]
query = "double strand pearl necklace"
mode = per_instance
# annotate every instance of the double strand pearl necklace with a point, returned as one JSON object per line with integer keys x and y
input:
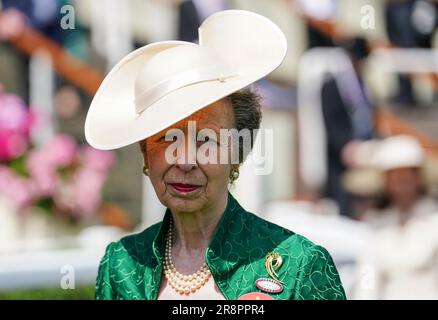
{"x": 181, "y": 283}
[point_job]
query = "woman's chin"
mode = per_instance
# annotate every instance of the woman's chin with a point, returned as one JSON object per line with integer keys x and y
{"x": 185, "y": 202}
{"x": 185, "y": 206}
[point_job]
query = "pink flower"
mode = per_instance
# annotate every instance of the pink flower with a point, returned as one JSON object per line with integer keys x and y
{"x": 60, "y": 150}
{"x": 46, "y": 182}
{"x": 16, "y": 121}
{"x": 34, "y": 119}
{"x": 88, "y": 191}
{"x": 97, "y": 159}
{"x": 5, "y": 176}
{"x": 12, "y": 145}
{"x": 42, "y": 172}
{"x": 14, "y": 116}
{"x": 79, "y": 191}
{"x": 21, "y": 191}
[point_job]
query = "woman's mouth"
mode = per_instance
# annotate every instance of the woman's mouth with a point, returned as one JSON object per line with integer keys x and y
{"x": 184, "y": 188}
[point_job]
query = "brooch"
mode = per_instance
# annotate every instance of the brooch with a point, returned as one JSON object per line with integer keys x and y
{"x": 269, "y": 285}
{"x": 273, "y": 262}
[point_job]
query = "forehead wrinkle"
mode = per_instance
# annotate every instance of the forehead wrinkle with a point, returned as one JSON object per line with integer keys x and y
{"x": 204, "y": 118}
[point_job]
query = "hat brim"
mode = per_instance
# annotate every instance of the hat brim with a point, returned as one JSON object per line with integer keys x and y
{"x": 248, "y": 41}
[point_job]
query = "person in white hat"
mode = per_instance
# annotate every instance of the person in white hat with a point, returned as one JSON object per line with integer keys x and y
{"x": 401, "y": 261}
{"x": 207, "y": 246}
{"x": 400, "y": 159}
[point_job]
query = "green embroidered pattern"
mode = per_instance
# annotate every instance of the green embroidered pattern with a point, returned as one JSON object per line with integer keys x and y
{"x": 132, "y": 267}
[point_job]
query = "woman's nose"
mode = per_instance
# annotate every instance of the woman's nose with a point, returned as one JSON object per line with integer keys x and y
{"x": 186, "y": 166}
{"x": 187, "y": 159}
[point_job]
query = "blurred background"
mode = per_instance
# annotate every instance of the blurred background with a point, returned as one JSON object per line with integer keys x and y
{"x": 353, "y": 108}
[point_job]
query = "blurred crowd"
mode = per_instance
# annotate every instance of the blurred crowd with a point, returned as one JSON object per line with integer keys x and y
{"x": 385, "y": 181}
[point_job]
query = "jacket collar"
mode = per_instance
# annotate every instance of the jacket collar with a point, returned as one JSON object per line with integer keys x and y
{"x": 228, "y": 231}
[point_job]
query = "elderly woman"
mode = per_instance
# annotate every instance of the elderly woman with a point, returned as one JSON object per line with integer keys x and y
{"x": 207, "y": 246}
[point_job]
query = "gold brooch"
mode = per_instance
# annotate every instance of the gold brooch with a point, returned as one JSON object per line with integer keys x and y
{"x": 273, "y": 262}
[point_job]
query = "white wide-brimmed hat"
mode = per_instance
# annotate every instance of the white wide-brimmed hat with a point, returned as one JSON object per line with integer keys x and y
{"x": 375, "y": 157}
{"x": 400, "y": 151}
{"x": 164, "y": 82}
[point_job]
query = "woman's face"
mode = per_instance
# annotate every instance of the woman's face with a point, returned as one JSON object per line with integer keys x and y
{"x": 403, "y": 185}
{"x": 182, "y": 182}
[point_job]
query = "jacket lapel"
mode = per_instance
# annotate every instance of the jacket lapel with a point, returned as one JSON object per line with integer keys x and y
{"x": 234, "y": 259}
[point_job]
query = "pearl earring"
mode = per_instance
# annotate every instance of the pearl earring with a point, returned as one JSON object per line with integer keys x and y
{"x": 234, "y": 175}
{"x": 146, "y": 171}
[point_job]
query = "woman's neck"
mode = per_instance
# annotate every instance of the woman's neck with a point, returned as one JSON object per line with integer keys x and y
{"x": 193, "y": 230}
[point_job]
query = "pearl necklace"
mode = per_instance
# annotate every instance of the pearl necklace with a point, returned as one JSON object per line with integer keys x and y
{"x": 183, "y": 284}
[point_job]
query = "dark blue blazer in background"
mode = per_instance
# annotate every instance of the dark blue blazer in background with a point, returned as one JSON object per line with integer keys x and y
{"x": 50, "y": 25}
{"x": 188, "y": 21}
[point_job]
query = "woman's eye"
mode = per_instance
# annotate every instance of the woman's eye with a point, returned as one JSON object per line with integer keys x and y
{"x": 206, "y": 139}
{"x": 167, "y": 139}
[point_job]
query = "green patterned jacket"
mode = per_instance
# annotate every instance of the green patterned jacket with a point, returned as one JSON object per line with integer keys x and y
{"x": 132, "y": 267}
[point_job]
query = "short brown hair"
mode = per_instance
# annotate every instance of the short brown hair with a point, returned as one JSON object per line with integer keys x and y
{"x": 247, "y": 115}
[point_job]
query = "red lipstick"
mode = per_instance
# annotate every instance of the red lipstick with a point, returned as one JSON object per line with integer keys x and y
{"x": 181, "y": 187}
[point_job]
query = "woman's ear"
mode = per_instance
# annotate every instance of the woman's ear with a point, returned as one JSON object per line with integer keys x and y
{"x": 143, "y": 151}
{"x": 145, "y": 159}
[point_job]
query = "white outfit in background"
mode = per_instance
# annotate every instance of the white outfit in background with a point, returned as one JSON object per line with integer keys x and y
{"x": 402, "y": 262}
{"x": 391, "y": 216}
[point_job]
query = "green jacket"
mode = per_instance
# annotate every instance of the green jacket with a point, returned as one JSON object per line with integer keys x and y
{"x": 132, "y": 267}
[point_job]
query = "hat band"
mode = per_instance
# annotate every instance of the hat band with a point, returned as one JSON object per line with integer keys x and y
{"x": 215, "y": 73}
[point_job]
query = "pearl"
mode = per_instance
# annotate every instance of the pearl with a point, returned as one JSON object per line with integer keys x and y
{"x": 183, "y": 284}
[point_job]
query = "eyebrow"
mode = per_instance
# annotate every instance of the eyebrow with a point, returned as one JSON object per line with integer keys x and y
{"x": 162, "y": 134}
{"x": 213, "y": 127}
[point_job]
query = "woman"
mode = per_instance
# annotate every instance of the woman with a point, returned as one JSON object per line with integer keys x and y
{"x": 401, "y": 255}
{"x": 207, "y": 246}
{"x": 401, "y": 161}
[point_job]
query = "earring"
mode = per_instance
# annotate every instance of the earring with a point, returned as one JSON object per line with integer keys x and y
{"x": 234, "y": 175}
{"x": 146, "y": 171}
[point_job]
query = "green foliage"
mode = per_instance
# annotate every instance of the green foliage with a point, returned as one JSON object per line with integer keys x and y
{"x": 79, "y": 293}
{"x": 46, "y": 204}
{"x": 19, "y": 166}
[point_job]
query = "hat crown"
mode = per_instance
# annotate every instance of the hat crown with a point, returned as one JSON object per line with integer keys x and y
{"x": 164, "y": 82}
{"x": 174, "y": 68}
{"x": 398, "y": 152}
